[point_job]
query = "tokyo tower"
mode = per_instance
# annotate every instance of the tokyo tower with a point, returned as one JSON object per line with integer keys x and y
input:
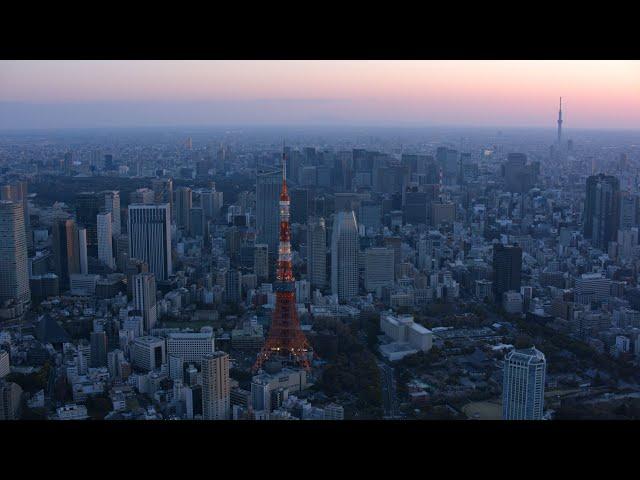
{"x": 285, "y": 338}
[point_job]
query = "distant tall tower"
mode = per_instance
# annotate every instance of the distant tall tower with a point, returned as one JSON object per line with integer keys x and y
{"x": 285, "y": 339}
{"x": 560, "y": 125}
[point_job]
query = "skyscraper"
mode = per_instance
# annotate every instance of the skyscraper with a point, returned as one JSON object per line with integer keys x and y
{"x": 163, "y": 193}
{"x": 211, "y": 201}
{"x": 65, "y": 251}
{"x": 184, "y": 200}
{"x": 267, "y": 215}
{"x": 98, "y": 349}
{"x": 317, "y": 252}
{"x": 344, "y": 256}
{"x": 602, "y": 213}
{"x": 216, "y": 387}
{"x": 523, "y": 385}
{"x": 507, "y": 269}
{"x": 14, "y": 272}
{"x": 87, "y": 209}
{"x": 105, "y": 239}
{"x": 150, "y": 237}
{"x": 112, "y": 205}
{"x": 379, "y": 268}
{"x": 144, "y": 298}
{"x": 82, "y": 251}
{"x": 17, "y": 192}
{"x": 261, "y": 261}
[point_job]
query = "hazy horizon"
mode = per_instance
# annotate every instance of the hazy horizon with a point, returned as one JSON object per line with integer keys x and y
{"x": 596, "y": 95}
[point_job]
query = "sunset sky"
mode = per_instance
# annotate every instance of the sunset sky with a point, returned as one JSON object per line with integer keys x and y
{"x": 46, "y": 94}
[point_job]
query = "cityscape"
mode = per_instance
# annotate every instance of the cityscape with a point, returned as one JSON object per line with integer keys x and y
{"x": 165, "y": 265}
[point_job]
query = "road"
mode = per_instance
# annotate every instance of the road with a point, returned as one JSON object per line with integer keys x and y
{"x": 389, "y": 396}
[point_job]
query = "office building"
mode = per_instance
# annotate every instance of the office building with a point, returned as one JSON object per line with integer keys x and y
{"x": 112, "y": 206}
{"x": 317, "y": 253}
{"x": 507, "y": 269}
{"x": 261, "y": 261}
{"x": 163, "y": 193}
{"x": 82, "y": 251}
{"x": 601, "y": 215}
{"x": 10, "y": 400}
{"x": 105, "y": 239}
{"x": 149, "y": 353}
{"x": 98, "y": 349}
{"x": 14, "y": 269}
{"x": 150, "y": 237}
{"x": 190, "y": 347}
{"x": 184, "y": 201}
{"x": 216, "y": 388}
{"x": 379, "y": 268}
{"x": 268, "y": 185}
{"x": 144, "y": 298}
{"x": 523, "y": 385}
{"x": 344, "y": 256}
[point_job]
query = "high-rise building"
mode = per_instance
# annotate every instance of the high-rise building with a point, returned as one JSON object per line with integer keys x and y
{"x": 14, "y": 263}
{"x": 317, "y": 252}
{"x": 211, "y": 201}
{"x": 88, "y": 205}
{"x": 629, "y": 208}
{"x": 523, "y": 385}
{"x": 233, "y": 286}
{"x": 98, "y": 349}
{"x": 10, "y": 400}
{"x": 112, "y": 205}
{"x": 196, "y": 222}
{"x": 150, "y": 237}
{"x": 134, "y": 267}
{"x": 379, "y": 268}
{"x": 261, "y": 261}
{"x": 163, "y": 193}
{"x": 82, "y": 251}
{"x": 18, "y": 192}
{"x": 144, "y": 298}
{"x": 344, "y": 256}
{"x": 601, "y": 216}
{"x": 216, "y": 387}
{"x": 142, "y": 195}
{"x": 507, "y": 269}
{"x": 105, "y": 239}
{"x": 267, "y": 216}
{"x": 299, "y": 205}
{"x": 184, "y": 201}
{"x": 65, "y": 251}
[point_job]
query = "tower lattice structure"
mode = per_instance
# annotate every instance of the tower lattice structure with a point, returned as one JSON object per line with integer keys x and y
{"x": 285, "y": 337}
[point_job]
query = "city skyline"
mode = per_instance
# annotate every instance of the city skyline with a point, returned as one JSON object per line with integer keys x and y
{"x": 477, "y": 93}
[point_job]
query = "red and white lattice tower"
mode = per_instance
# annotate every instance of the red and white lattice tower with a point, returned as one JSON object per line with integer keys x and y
{"x": 285, "y": 339}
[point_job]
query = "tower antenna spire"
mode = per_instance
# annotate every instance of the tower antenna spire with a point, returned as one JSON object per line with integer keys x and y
{"x": 284, "y": 164}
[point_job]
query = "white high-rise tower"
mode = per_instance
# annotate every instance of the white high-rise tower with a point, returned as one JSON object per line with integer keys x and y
{"x": 344, "y": 256}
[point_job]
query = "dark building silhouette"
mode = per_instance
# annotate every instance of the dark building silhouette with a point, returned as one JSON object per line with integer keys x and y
{"x": 507, "y": 268}
{"x": 602, "y": 214}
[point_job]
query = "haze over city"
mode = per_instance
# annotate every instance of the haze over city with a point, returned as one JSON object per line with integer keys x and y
{"x": 87, "y": 94}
